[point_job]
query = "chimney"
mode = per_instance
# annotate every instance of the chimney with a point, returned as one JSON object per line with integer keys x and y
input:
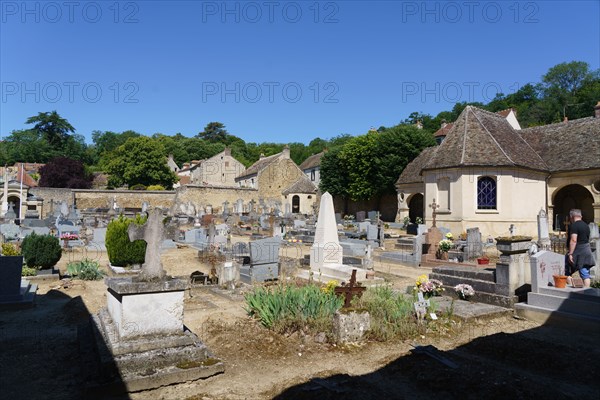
{"x": 227, "y": 151}
{"x": 286, "y": 151}
{"x": 566, "y": 119}
{"x": 597, "y": 110}
{"x": 443, "y": 124}
{"x": 262, "y": 155}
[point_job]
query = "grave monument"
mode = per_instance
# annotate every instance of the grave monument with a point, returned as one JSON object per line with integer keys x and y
{"x": 142, "y": 325}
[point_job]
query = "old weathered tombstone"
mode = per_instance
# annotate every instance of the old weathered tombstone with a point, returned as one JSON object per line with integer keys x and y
{"x": 144, "y": 317}
{"x": 543, "y": 234}
{"x": 474, "y": 247}
{"x": 372, "y": 232}
{"x": 373, "y": 216}
{"x": 360, "y": 216}
{"x": 263, "y": 263}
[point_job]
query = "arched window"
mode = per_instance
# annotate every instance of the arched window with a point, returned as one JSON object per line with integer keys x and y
{"x": 486, "y": 193}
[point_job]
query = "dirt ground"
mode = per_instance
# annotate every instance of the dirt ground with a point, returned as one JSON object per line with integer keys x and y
{"x": 500, "y": 358}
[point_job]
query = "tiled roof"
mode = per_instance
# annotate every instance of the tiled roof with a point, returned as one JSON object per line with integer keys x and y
{"x": 27, "y": 179}
{"x": 567, "y": 146}
{"x": 259, "y": 166}
{"x": 443, "y": 131}
{"x": 312, "y": 161}
{"x": 302, "y": 185}
{"x": 412, "y": 172}
{"x": 482, "y": 138}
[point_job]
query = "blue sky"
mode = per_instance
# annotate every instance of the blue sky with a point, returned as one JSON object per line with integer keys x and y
{"x": 275, "y": 71}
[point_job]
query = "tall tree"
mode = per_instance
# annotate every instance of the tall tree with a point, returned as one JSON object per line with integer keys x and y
{"x": 140, "y": 160}
{"x": 54, "y": 128}
{"x": 213, "y": 132}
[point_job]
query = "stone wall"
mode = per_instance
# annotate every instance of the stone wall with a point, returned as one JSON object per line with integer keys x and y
{"x": 215, "y": 196}
{"x": 125, "y": 198}
{"x": 57, "y": 195}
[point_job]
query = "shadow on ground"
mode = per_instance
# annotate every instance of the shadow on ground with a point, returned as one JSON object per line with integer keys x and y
{"x": 48, "y": 352}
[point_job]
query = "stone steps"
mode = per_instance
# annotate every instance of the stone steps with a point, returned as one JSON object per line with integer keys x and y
{"x": 563, "y": 307}
{"x": 482, "y": 280}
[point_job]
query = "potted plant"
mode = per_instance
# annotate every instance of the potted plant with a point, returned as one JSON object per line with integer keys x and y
{"x": 429, "y": 287}
{"x": 444, "y": 246}
{"x": 12, "y": 265}
{"x": 483, "y": 260}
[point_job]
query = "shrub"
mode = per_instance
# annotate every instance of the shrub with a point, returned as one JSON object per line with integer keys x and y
{"x": 121, "y": 251}
{"x": 86, "y": 270}
{"x": 41, "y": 251}
{"x": 26, "y": 271}
{"x": 291, "y": 308}
{"x": 155, "y": 187}
{"x": 9, "y": 249}
{"x": 139, "y": 186}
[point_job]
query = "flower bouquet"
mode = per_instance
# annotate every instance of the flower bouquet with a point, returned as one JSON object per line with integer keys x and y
{"x": 445, "y": 245}
{"x": 464, "y": 291}
{"x": 69, "y": 236}
{"x": 429, "y": 287}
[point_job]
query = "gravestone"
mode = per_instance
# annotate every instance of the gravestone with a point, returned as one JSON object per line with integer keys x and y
{"x": 543, "y": 234}
{"x": 263, "y": 263}
{"x": 338, "y": 219}
{"x": 10, "y": 231}
{"x": 326, "y": 253}
{"x": 288, "y": 210}
{"x": 239, "y": 206}
{"x": 225, "y": 209}
{"x": 299, "y": 223}
{"x": 360, "y": 216}
{"x": 144, "y": 317}
{"x": 545, "y": 264}
{"x": 594, "y": 234}
{"x": 372, "y": 232}
{"x": 372, "y": 215}
{"x": 474, "y": 246}
{"x": 362, "y": 226}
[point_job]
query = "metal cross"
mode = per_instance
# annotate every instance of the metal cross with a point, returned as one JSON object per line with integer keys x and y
{"x": 434, "y": 207}
{"x": 350, "y": 290}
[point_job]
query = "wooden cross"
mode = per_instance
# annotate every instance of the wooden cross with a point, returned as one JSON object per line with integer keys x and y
{"x": 434, "y": 207}
{"x": 567, "y": 223}
{"x": 350, "y": 290}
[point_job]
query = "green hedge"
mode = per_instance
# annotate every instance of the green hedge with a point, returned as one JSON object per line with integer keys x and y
{"x": 121, "y": 251}
{"x": 41, "y": 251}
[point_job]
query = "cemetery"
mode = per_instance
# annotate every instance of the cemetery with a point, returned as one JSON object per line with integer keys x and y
{"x": 175, "y": 303}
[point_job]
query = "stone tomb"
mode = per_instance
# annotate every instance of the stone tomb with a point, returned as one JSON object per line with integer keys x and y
{"x": 263, "y": 263}
{"x": 141, "y": 331}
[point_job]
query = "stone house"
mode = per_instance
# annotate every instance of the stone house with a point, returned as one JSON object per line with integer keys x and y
{"x": 273, "y": 175}
{"x": 489, "y": 173}
{"x": 312, "y": 168}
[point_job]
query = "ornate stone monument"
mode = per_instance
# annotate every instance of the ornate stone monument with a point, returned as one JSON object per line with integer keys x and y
{"x": 142, "y": 325}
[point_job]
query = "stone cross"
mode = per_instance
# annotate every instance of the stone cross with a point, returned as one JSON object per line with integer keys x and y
{"x": 350, "y": 290}
{"x": 153, "y": 233}
{"x": 434, "y": 207}
{"x": 421, "y": 306}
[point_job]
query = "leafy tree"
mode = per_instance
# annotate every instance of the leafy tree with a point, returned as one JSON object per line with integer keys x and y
{"x": 53, "y": 127}
{"x": 25, "y": 146}
{"x": 213, "y": 132}
{"x": 62, "y": 172}
{"x": 140, "y": 160}
{"x": 334, "y": 176}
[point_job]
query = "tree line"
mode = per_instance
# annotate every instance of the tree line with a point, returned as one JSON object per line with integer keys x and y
{"x": 354, "y": 167}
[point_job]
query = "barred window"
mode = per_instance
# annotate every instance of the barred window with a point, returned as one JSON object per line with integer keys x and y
{"x": 486, "y": 193}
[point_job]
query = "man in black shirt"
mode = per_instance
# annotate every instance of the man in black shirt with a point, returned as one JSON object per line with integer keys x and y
{"x": 580, "y": 253}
